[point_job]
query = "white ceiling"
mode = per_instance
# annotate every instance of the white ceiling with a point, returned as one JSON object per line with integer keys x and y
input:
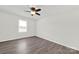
{"x": 47, "y": 10}
{"x": 19, "y": 10}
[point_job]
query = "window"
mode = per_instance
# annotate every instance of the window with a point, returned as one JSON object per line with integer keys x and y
{"x": 22, "y": 26}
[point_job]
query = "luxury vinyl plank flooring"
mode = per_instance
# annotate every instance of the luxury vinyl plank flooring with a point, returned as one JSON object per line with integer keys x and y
{"x": 34, "y": 45}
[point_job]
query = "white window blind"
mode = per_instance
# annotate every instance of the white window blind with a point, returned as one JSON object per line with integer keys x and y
{"x": 22, "y": 26}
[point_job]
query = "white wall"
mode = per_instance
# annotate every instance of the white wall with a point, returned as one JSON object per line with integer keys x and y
{"x": 62, "y": 29}
{"x": 9, "y": 27}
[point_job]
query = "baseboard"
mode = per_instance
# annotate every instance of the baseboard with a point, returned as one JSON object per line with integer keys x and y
{"x": 16, "y": 38}
{"x": 60, "y": 43}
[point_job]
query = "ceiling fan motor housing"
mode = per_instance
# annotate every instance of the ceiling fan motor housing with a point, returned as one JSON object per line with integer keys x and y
{"x": 33, "y": 9}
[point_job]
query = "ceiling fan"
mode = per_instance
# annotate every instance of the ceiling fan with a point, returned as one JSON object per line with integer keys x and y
{"x": 34, "y": 11}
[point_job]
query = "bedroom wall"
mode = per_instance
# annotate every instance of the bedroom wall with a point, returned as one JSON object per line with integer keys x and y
{"x": 62, "y": 29}
{"x": 9, "y": 26}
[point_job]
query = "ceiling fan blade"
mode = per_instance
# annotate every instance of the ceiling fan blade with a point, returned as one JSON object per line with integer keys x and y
{"x": 38, "y": 14}
{"x": 38, "y": 10}
{"x": 27, "y": 11}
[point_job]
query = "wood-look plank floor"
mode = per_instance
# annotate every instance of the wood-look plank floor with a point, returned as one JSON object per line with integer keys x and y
{"x": 34, "y": 45}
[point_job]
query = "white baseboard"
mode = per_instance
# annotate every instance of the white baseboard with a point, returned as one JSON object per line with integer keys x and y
{"x": 72, "y": 47}
{"x": 14, "y": 38}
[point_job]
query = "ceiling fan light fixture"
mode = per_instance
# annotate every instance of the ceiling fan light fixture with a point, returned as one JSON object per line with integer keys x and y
{"x": 33, "y": 12}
